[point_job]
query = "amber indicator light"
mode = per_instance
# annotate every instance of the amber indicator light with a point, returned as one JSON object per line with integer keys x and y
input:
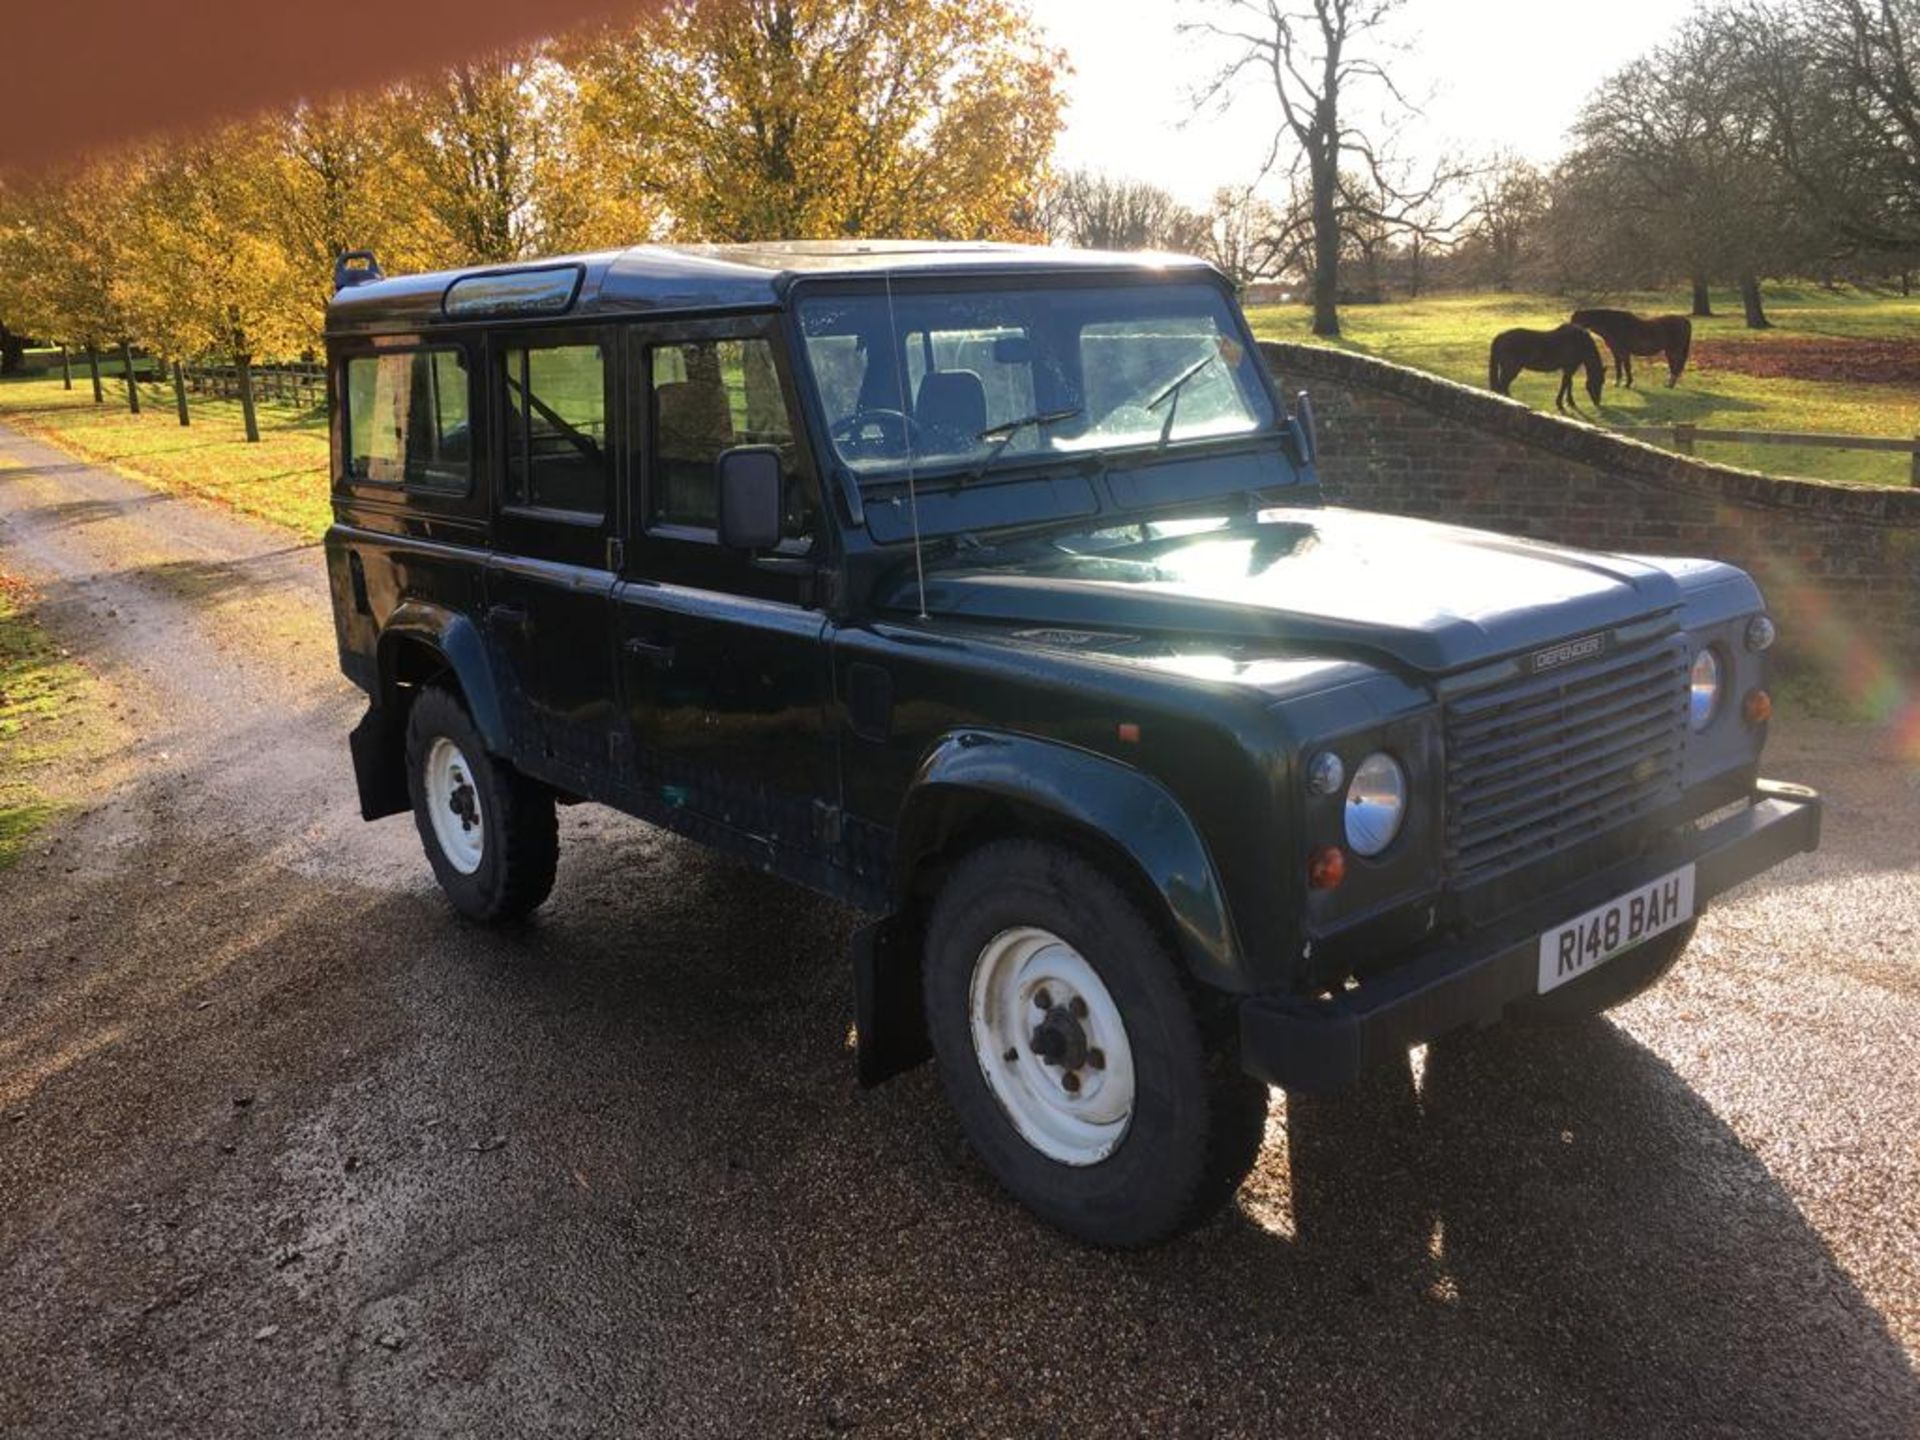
{"x": 1129, "y": 733}
{"x": 1758, "y": 707}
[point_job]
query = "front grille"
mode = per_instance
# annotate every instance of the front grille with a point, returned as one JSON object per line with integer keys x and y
{"x": 1544, "y": 762}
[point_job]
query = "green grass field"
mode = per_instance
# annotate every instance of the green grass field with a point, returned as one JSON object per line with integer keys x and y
{"x": 40, "y": 692}
{"x": 1449, "y": 335}
{"x": 283, "y": 479}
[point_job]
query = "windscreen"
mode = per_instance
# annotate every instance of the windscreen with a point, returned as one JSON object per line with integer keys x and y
{"x": 970, "y": 380}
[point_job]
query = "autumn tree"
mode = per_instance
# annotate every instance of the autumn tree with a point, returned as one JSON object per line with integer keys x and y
{"x": 63, "y": 236}
{"x": 336, "y": 177}
{"x": 758, "y": 119}
{"x": 207, "y": 275}
{"x": 484, "y": 144}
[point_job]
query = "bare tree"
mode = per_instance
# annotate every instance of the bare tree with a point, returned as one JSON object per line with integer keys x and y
{"x": 1321, "y": 60}
{"x": 1674, "y": 153}
{"x": 1840, "y": 81}
{"x": 1104, "y": 212}
{"x": 1246, "y": 237}
{"x": 1509, "y": 202}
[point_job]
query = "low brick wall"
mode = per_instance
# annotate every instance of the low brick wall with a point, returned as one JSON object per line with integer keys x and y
{"x": 1840, "y": 564}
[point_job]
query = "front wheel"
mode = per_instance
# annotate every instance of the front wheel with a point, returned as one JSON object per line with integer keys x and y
{"x": 489, "y": 832}
{"x": 1071, "y": 1052}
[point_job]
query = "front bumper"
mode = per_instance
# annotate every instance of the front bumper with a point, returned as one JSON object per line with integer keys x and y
{"x": 1323, "y": 1044}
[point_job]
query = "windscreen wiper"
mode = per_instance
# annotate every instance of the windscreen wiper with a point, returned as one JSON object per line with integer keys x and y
{"x": 1171, "y": 391}
{"x": 1005, "y": 431}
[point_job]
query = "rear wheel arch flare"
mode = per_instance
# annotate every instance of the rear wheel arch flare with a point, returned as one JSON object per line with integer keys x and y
{"x": 424, "y": 645}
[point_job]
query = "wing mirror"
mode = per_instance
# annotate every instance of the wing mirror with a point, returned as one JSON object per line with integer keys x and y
{"x": 750, "y": 495}
{"x": 1305, "y": 427}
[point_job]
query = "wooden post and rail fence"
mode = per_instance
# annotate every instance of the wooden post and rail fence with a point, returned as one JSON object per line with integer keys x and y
{"x": 1683, "y": 437}
{"x": 301, "y": 385}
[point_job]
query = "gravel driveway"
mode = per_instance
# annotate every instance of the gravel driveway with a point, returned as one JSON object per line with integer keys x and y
{"x": 287, "y": 1149}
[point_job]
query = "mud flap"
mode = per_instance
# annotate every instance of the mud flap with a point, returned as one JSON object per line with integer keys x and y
{"x": 380, "y": 764}
{"x": 889, "y": 1019}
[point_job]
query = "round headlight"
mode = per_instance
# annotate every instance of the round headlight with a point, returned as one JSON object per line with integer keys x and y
{"x": 1760, "y": 633}
{"x": 1376, "y": 803}
{"x": 1703, "y": 702}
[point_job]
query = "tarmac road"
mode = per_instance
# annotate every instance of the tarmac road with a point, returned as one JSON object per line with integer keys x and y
{"x": 287, "y": 1149}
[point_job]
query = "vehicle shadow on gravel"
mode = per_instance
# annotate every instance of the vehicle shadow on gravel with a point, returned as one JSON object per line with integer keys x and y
{"x": 691, "y": 1201}
{"x": 1564, "y": 1193}
{"x": 1547, "y": 1232}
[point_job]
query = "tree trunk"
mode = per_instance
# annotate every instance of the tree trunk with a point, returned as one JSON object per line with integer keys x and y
{"x": 243, "y": 368}
{"x": 93, "y": 368}
{"x": 1702, "y": 302}
{"x": 66, "y": 368}
{"x": 13, "y": 350}
{"x": 133, "y": 384}
{"x": 1750, "y": 303}
{"x": 1326, "y": 252}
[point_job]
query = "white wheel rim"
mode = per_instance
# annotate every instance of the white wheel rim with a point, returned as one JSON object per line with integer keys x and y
{"x": 1037, "y": 1007}
{"x": 453, "y": 804}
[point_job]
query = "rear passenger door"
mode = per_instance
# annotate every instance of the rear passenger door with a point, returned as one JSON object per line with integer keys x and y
{"x": 550, "y": 578}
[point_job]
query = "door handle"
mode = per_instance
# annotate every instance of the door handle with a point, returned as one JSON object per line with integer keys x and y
{"x": 507, "y": 617}
{"x": 650, "y": 651}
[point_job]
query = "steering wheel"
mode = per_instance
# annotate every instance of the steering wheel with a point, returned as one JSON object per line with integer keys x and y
{"x": 852, "y": 430}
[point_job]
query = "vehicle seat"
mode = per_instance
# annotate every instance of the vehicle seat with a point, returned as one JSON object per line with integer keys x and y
{"x": 951, "y": 410}
{"x": 693, "y": 423}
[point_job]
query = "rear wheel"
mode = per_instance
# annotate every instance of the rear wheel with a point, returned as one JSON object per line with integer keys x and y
{"x": 489, "y": 832}
{"x": 1072, "y": 1054}
{"x": 1614, "y": 983}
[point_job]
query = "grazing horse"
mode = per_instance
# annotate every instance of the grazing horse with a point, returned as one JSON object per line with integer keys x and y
{"x": 1627, "y": 335}
{"x": 1566, "y": 349}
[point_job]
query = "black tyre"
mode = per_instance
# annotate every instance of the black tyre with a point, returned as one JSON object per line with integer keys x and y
{"x": 489, "y": 832}
{"x": 1071, "y": 1052}
{"x": 1613, "y": 983}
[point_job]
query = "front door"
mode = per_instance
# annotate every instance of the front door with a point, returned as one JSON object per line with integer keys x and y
{"x": 723, "y": 655}
{"x": 550, "y": 579}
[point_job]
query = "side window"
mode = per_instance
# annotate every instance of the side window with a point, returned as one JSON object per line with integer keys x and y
{"x": 705, "y": 397}
{"x": 556, "y": 441}
{"x": 407, "y": 420}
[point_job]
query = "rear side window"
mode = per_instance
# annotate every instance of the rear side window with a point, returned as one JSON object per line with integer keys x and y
{"x": 556, "y": 449}
{"x": 407, "y": 421}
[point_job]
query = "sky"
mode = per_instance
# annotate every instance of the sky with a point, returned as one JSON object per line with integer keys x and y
{"x": 1491, "y": 73}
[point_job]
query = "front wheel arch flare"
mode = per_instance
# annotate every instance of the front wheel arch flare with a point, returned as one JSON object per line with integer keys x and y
{"x": 1120, "y": 814}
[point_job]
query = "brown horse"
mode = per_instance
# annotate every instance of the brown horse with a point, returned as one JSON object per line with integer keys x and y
{"x": 1627, "y": 335}
{"x": 1566, "y": 349}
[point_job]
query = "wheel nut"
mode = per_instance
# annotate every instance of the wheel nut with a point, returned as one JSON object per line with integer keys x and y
{"x": 1077, "y": 1008}
{"x": 1070, "y": 1082}
{"x": 1043, "y": 999}
{"x": 1097, "y": 1059}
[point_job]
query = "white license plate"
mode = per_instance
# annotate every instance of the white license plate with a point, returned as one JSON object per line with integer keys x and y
{"x": 1596, "y": 937}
